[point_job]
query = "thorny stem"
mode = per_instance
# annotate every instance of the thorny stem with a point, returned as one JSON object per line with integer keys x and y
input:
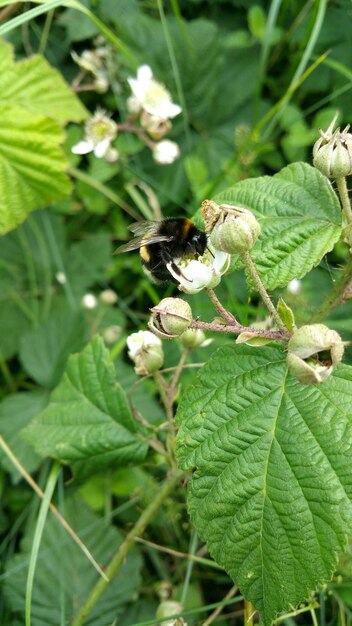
{"x": 252, "y": 270}
{"x": 237, "y": 329}
{"x": 225, "y": 314}
{"x": 336, "y": 296}
{"x": 345, "y": 201}
{"x": 118, "y": 560}
{"x": 168, "y": 404}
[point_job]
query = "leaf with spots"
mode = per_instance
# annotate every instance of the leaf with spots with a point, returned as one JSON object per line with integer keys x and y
{"x": 300, "y": 218}
{"x": 272, "y": 483}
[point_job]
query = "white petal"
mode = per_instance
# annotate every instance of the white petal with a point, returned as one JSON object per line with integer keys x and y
{"x": 102, "y": 148}
{"x": 144, "y": 73}
{"x": 83, "y": 147}
{"x": 195, "y": 276}
{"x": 173, "y": 110}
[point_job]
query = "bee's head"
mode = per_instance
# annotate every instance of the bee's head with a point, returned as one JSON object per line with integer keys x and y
{"x": 197, "y": 243}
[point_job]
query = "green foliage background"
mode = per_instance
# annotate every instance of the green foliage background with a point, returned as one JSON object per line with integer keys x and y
{"x": 255, "y": 84}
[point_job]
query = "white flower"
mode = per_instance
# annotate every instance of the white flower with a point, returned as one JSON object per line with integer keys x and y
{"x": 92, "y": 62}
{"x": 89, "y": 301}
{"x": 166, "y": 152}
{"x": 100, "y": 131}
{"x": 151, "y": 95}
{"x": 61, "y": 278}
{"x": 141, "y": 340}
{"x": 206, "y": 271}
{"x": 294, "y": 286}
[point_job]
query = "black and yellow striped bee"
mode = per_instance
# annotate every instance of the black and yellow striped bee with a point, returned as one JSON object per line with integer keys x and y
{"x": 164, "y": 243}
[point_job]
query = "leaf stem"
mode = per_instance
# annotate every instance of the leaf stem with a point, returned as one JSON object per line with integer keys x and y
{"x": 252, "y": 271}
{"x": 345, "y": 201}
{"x": 336, "y": 296}
{"x": 126, "y": 546}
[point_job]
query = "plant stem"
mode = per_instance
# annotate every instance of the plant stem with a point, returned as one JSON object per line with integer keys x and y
{"x": 252, "y": 270}
{"x": 345, "y": 201}
{"x": 225, "y": 314}
{"x": 237, "y": 329}
{"x": 125, "y": 547}
{"x": 335, "y": 297}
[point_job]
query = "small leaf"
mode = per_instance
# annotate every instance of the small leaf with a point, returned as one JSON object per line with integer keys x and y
{"x": 64, "y": 577}
{"x": 88, "y": 422}
{"x": 251, "y": 339}
{"x": 300, "y": 218}
{"x": 286, "y": 315}
{"x": 271, "y": 486}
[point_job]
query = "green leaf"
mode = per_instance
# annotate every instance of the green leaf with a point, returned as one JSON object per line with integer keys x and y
{"x": 32, "y": 166}
{"x": 45, "y": 349}
{"x": 286, "y": 315}
{"x": 88, "y": 422}
{"x": 37, "y": 87}
{"x": 64, "y": 577}
{"x": 300, "y": 217}
{"x": 16, "y": 411}
{"x": 271, "y": 487}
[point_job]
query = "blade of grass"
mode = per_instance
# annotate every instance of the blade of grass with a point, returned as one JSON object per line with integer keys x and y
{"x": 38, "y": 533}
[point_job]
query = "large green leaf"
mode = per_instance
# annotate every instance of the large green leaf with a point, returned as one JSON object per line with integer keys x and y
{"x": 64, "y": 577}
{"x": 32, "y": 165}
{"x": 88, "y": 422}
{"x": 16, "y": 411}
{"x": 272, "y": 482}
{"x": 300, "y": 217}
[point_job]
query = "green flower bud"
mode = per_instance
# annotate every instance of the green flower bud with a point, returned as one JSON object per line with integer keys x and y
{"x": 193, "y": 338}
{"x": 232, "y": 229}
{"x": 312, "y": 353}
{"x": 332, "y": 153}
{"x": 149, "y": 360}
{"x": 167, "y": 608}
{"x": 172, "y": 316}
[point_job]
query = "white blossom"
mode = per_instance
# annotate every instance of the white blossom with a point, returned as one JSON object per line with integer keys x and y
{"x": 151, "y": 95}
{"x": 294, "y": 286}
{"x": 141, "y": 340}
{"x": 166, "y": 152}
{"x": 89, "y": 301}
{"x": 197, "y": 274}
{"x": 99, "y": 132}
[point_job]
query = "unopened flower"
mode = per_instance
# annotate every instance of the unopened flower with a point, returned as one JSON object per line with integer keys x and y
{"x": 294, "y": 286}
{"x": 108, "y": 296}
{"x": 312, "y": 353}
{"x": 156, "y": 127}
{"x": 166, "y": 152}
{"x": 167, "y": 608}
{"x": 197, "y": 274}
{"x": 332, "y": 153}
{"x": 194, "y": 338}
{"x": 172, "y": 316}
{"x": 99, "y": 132}
{"x": 93, "y": 62}
{"x": 233, "y": 229}
{"x": 151, "y": 95}
{"x": 89, "y": 301}
{"x": 111, "y": 334}
{"x": 145, "y": 349}
{"x": 61, "y": 278}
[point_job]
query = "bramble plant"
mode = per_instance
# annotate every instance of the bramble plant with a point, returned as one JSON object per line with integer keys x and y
{"x": 213, "y": 409}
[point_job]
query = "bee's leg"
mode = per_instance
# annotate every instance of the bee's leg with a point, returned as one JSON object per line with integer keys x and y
{"x": 168, "y": 260}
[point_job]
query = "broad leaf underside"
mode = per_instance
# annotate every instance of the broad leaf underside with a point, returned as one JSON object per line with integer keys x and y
{"x": 272, "y": 486}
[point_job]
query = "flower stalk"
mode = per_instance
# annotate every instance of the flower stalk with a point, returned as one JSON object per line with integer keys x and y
{"x": 345, "y": 201}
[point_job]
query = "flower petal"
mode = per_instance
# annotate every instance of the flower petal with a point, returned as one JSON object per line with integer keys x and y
{"x": 83, "y": 147}
{"x": 102, "y": 148}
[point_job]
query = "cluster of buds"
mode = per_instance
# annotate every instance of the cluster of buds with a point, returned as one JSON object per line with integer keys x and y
{"x": 93, "y": 63}
{"x": 332, "y": 153}
{"x": 151, "y": 103}
{"x": 146, "y": 351}
{"x": 233, "y": 229}
{"x": 312, "y": 353}
{"x": 99, "y": 132}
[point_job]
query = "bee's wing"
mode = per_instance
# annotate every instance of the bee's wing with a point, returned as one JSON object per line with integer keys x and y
{"x": 138, "y": 242}
{"x": 141, "y": 228}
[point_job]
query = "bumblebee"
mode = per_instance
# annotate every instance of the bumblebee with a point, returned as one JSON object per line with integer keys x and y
{"x": 164, "y": 243}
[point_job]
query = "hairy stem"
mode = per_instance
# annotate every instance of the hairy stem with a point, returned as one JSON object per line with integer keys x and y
{"x": 126, "y": 546}
{"x": 336, "y": 295}
{"x": 345, "y": 201}
{"x": 225, "y": 314}
{"x": 252, "y": 271}
{"x": 237, "y": 329}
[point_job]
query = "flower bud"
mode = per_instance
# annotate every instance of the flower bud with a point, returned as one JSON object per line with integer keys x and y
{"x": 145, "y": 349}
{"x": 167, "y": 608}
{"x": 312, "y": 353}
{"x": 332, "y": 153}
{"x": 193, "y": 338}
{"x": 166, "y": 152}
{"x": 108, "y": 296}
{"x": 156, "y": 127}
{"x": 111, "y": 334}
{"x": 233, "y": 229}
{"x": 172, "y": 316}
